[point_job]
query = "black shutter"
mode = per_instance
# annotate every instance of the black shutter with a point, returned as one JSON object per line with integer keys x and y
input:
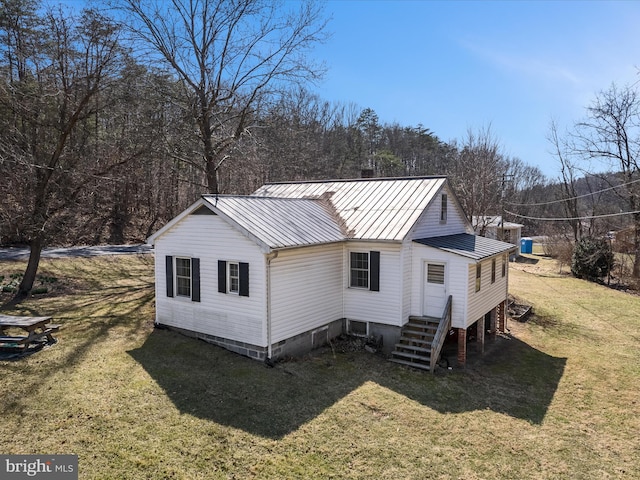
{"x": 222, "y": 276}
{"x": 244, "y": 279}
{"x": 169, "y": 272}
{"x": 374, "y": 271}
{"x": 195, "y": 279}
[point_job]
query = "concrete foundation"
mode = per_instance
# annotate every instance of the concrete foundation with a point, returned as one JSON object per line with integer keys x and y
{"x": 291, "y": 347}
{"x": 305, "y": 342}
{"x": 389, "y": 334}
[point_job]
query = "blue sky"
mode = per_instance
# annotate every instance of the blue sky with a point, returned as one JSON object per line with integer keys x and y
{"x": 460, "y": 65}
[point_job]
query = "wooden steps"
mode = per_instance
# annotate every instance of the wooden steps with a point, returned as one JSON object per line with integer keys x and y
{"x": 414, "y": 346}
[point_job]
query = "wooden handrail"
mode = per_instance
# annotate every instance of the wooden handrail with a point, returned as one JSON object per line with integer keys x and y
{"x": 443, "y": 327}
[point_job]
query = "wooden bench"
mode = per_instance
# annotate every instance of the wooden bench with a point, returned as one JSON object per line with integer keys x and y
{"x": 12, "y": 343}
{"x": 48, "y": 330}
{"x": 22, "y": 341}
{"x": 14, "y": 339}
{"x": 38, "y": 329}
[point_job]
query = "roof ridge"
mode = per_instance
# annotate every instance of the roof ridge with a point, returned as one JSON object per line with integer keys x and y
{"x": 344, "y": 180}
{"x": 327, "y": 204}
{"x": 253, "y": 197}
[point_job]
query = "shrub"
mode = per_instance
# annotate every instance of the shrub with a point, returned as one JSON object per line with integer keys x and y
{"x": 592, "y": 258}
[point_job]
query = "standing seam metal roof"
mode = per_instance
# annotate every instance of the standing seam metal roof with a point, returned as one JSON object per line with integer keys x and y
{"x": 280, "y": 222}
{"x": 368, "y": 209}
{"x": 467, "y": 245}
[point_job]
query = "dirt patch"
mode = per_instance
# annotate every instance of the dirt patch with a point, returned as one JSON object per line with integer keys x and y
{"x": 519, "y": 312}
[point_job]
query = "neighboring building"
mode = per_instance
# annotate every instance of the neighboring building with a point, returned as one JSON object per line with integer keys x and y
{"x": 288, "y": 268}
{"x": 493, "y": 227}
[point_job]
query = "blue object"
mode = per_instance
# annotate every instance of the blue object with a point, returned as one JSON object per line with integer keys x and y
{"x": 526, "y": 245}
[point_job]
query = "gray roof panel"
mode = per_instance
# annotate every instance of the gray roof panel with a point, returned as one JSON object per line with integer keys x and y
{"x": 467, "y": 245}
{"x": 369, "y": 209}
{"x": 280, "y": 222}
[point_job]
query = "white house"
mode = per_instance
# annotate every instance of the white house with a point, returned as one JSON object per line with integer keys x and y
{"x": 493, "y": 226}
{"x": 288, "y": 268}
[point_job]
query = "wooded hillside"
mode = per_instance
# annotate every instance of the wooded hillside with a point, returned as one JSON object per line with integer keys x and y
{"x": 110, "y": 126}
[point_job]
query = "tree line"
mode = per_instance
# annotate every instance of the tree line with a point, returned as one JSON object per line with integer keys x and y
{"x": 112, "y": 121}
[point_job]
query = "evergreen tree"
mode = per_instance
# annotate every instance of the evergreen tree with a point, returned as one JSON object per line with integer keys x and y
{"x": 592, "y": 258}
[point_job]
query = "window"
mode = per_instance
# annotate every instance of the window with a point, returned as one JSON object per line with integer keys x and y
{"x": 478, "y": 276}
{"x": 443, "y": 208}
{"x": 358, "y": 329}
{"x": 364, "y": 270}
{"x": 493, "y": 271}
{"x": 435, "y": 273}
{"x": 234, "y": 277}
{"x": 183, "y": 277}
{"x": 359, "y": 270}
{"x": 504, "y": 265}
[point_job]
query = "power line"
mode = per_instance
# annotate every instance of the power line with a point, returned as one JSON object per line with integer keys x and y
{"x": 570, "y": 198}
{"x": 564, "y": 219}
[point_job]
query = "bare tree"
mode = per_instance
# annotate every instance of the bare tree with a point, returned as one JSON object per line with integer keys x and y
{"x": 230, "y": 58}
{"x": 568, "y": 171}
{"x": 611, "y": 134}
{"x": 53, "y": 66}
{"x": 477, "y": 175}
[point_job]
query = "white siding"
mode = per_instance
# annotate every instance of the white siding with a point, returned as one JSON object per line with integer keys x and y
{"x": 306, "y": 289}
{"x": 384, "y": 306}
{"x": 513, "y": 234}
{"x": 456, "y": 268}
{"x": 491, "y": 232}
{"x": 230, "y": 316}
{"x": 490, "y": 295}
{"x": 429, "y": 224}
{"x": 408, "y": 280}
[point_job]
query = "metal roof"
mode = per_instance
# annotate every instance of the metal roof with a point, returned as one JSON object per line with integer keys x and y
{"x": 493, "y": 221}
{"x": 366, "y": 209}
{"x": 467, "y": 245}
{"x": 279, "y": 222}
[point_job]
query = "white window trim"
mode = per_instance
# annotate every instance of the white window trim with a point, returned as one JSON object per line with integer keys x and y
{"x": 368, "y": 254}
{"x": 493, "y": 270}
{"x": 444, "y": 208}
{"x": 176, "y": 276}
{"x": 229, "y": 277}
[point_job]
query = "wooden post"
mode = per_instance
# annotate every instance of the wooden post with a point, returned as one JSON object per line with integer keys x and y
{"x": 462, "y": 346}
{"x": 502, "y": 317}
{"x": 481, "y": 334}
{"x": 492, "y": 323}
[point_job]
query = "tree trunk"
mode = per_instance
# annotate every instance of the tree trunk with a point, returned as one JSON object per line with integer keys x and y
{"x": 212, "y": 175}
{"x": 636, "y": 244}
{"x": 29, "y": 278}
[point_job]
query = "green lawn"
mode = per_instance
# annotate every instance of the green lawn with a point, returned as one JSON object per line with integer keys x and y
{"x": 557, "y": 398}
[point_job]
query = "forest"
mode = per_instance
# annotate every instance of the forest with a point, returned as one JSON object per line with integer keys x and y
{"x": 114, "y": 119}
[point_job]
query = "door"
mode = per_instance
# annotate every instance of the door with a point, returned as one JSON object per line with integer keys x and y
{"x": 435, "y": 289}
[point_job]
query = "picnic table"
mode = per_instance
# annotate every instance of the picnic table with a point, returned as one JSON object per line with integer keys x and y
{"x": 26, "y": 332}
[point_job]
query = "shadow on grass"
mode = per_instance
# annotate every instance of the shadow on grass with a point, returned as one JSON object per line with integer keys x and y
{"x": 217, "y": 385}
{"x": 85, "y": 322}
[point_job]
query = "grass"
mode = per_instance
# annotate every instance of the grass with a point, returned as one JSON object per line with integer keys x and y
{"x": 557, "y": 398}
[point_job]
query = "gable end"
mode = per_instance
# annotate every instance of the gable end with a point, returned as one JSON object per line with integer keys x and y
{"x": 203, "y": 210}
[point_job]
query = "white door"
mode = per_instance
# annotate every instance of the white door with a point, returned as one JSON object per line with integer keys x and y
{"x": 435, "y": 289}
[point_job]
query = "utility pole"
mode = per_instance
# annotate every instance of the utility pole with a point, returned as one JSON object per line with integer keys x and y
{"x": 502, "y": 185}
